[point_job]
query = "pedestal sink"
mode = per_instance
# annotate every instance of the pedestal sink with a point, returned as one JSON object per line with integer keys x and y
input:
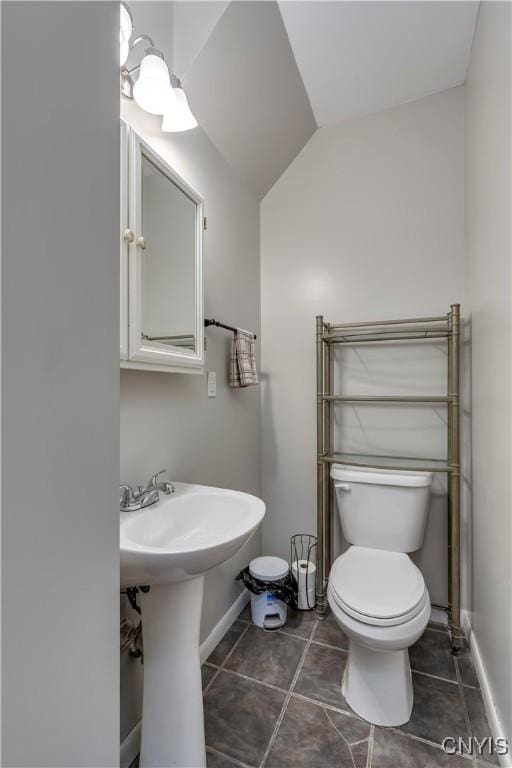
{"x": 170, "y": 546}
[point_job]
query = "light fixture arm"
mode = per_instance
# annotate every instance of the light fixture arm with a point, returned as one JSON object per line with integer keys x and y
{"x": 140, "y": 38}
{"x": 157, "y": 89}
{"x": 137, "y": 40}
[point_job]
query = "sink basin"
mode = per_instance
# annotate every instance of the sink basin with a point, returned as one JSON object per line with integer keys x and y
{"x": 169, "y": 546}
{"x": 185, "y": 534}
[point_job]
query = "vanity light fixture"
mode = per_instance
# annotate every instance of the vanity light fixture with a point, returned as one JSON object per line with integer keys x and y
{"x": 178, "y": 115}
{"x": 155, "y": 91}
{"x": 125, "y": 32}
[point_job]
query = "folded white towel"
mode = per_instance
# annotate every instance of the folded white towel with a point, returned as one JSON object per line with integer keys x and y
{"x": 242, "y": 364}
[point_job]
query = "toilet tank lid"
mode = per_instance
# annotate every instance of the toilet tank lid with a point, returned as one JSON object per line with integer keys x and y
{"x": 382, "y": 477}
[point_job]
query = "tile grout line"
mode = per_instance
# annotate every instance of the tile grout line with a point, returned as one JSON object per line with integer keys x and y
{"x": 429, "y": 743}
{"x": 221, "y": 666}
{"x": 464, "y": 705}
{"x": 252, "y": 680}
{"x": 331, "y": 707}
{"x": 345, "y": 740}
{"x": 352, "y": 714}
{"x": 235, "y": 645}
{"x": 229, "y": 759}
{"x": 342, "y": 737}
{"x": 328, "y": 645}
{"x": 371, "y": 739}
{"x": 288, "y": 696}
{"x": 436, "y": 677}
{"x": 289, "y": 634}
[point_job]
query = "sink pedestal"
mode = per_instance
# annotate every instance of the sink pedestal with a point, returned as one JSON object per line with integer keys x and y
{"x": 172, "y": 721}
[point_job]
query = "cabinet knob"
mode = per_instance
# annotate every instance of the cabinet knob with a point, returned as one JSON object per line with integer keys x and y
{"x": 128, "y": 236}
{"x": 141, "y": 242}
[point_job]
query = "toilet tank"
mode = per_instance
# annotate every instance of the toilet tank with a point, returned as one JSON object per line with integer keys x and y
{"x": 382, "y": 509}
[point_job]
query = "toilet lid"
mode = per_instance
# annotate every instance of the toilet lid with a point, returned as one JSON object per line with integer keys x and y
{"x": 376, "y": 586}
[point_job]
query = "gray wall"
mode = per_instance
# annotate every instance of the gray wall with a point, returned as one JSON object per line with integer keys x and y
{"x": 167, "y": 420}
{"x": 248, "y": 94}
{"x": 60, "y": 384}
{"x": 367, "y": 223}
{"x": 488, "y": 271}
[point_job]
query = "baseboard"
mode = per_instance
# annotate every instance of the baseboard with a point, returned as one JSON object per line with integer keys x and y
{"x": 495, "y": 722}
{"x": 465, "y": 622}
{"x": 222, "y": 626}
{"x": 130, "y": 747}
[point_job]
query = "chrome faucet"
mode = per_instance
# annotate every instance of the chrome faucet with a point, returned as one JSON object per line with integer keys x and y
{"x": 131, "y": 500}
{"x": 165, "y": 486}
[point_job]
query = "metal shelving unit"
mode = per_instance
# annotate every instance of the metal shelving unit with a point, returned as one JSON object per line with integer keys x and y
{"x": 424, "y": 330}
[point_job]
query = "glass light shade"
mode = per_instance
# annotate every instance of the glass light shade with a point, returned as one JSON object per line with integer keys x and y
{"x": 125, "y": 32}
{"x": 178, "y": 116}
{"x": 153, "y": 90}
{"x": 124, "y": 50}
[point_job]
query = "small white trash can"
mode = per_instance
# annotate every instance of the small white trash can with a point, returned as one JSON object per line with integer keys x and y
{"x": 267, "y": 611}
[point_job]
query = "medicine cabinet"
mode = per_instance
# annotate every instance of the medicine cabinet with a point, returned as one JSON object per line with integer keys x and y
{"x": 161, "y": 263}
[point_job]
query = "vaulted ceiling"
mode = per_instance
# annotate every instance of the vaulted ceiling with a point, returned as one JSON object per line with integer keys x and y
{"x": 360, "y": 57}
{"x": 261, "y": 76}
{"x": 247, "y": 93}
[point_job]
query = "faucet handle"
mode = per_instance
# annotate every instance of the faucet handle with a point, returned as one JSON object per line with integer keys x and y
{"x": 152, "y": 482}
{"x": 126, "y": 495}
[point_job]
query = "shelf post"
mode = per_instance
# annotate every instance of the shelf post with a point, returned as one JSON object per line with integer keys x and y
{"x": 321, "y": 573}
{"x": 326, "y": 481}
{"x": 449, "y": 429}
{"x": 454, "y": 481}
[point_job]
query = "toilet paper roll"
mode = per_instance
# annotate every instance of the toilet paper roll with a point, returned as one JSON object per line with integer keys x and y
{"x": 304, "y": 572}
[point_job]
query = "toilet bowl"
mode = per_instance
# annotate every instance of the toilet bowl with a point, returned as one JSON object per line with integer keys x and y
{"x": 376, "y": 593}
{"x": 380, "y": 601}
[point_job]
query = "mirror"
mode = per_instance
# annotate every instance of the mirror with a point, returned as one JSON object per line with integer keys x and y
{"x": 161, "y": 263}
{"x": 168, "y": 261}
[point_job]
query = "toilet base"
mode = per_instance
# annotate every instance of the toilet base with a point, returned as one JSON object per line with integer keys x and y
{"x": 377, "y": 685}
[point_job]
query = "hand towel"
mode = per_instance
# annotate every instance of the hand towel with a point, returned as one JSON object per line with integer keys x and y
{"x": 242, "y": 364}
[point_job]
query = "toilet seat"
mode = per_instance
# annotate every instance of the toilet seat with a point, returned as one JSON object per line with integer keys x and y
{"x": 377, "y": 587}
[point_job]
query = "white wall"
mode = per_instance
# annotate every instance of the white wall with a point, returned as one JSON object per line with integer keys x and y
{"x": 60, "y": 384}
{"x": 167, "y": 420}
{"x": 367, "y": 223}
{"x": 488, "y": 249}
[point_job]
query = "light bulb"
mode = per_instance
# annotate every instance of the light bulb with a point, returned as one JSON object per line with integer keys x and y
{"x": 153, "y": 90}
{"x": 125, "y": 32}
{"x": 178, "y": 115}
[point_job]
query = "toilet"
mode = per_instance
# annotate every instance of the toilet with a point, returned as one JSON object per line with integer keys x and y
{"x": 375, "y": 592}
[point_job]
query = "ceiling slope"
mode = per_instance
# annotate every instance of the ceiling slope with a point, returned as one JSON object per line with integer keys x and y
{"x": 246, "y": 92}
{"x": 193, "y": 23}
{"x": 356, "y": 58}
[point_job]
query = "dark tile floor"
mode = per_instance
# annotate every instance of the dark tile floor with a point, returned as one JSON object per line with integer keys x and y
{"x": 273, "y": 700}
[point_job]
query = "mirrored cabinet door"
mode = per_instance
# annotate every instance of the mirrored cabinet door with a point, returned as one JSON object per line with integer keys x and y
{"x": 168, "y": 260}
{"x": 124, "y": 243}
{"x": 165, "y": 263}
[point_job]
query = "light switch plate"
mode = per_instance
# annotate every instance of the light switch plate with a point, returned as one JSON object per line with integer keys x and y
{"x": 211, "y": 378}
